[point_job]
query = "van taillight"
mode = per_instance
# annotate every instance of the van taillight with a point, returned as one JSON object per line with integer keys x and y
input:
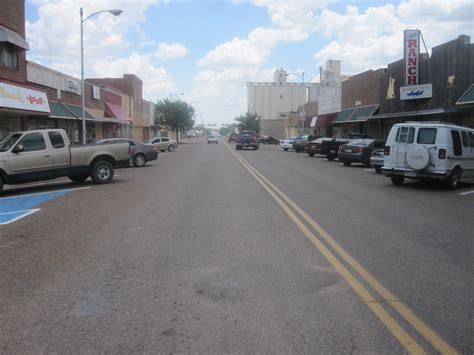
{"x": 386, "y": 151}
{"x": 442, "y": 154}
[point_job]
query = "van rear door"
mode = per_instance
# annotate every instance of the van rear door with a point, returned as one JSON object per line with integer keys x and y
{"x": 405, "y": 141}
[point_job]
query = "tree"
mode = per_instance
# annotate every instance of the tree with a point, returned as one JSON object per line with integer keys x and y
{"x": 226, "y": 129}
{"x": 202, "y": 128}
{"x": 178, "y": 115}
{"x": 248, "y": 122}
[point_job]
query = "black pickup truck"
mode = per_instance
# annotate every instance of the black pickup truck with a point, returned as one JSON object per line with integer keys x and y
{"x": 246, "y": 139}
{"x": 330, "y": 148}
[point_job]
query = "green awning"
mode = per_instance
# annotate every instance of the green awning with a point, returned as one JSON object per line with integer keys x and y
{"x": 59, "y": 111}
{"x": 77, "y": 111}
{"x": 344, "y": 115}
{"x": 362, "y": 114}
{"x": 467, "y": 97}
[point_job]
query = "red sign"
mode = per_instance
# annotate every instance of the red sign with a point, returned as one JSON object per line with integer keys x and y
{"x": 412, "y": 55}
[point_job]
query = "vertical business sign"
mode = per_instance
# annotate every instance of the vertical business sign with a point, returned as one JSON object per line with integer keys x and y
{"x": 411, "y": 44}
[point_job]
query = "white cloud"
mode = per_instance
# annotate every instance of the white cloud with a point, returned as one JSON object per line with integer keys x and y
{"x": 54, "y": 37}
{"x": 293, "y": 14}
{"x": 373, "y": 38}
{"x": 170, "y": 51}
{"x": 156, "y": 80}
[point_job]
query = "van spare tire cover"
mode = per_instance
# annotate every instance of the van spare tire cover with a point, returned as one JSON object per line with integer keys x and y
{"x": 418, "y": 158}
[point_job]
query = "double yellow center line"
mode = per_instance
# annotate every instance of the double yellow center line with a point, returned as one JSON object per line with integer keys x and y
{"x": 317, "y": 235}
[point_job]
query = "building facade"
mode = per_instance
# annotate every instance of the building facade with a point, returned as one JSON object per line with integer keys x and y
{"x": 273, "y": 102}
{"x": 132, "y": 101}
{"x": 19, "y": 102}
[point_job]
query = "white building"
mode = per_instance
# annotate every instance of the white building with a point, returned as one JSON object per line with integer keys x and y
{"x": 275, "y": 100}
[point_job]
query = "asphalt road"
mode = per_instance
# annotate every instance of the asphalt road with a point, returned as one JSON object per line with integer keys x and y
{"x": 197, "y": 252}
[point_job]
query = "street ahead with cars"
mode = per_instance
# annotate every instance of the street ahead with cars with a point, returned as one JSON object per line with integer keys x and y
{"x": 210, "y": 249}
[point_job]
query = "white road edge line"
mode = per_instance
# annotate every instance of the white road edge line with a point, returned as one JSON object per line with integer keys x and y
{"x": 27, "y": 213}
{"x": 466, "y": 193}
{"x": 44, "y": 193}
{"x": 13, "y": 187}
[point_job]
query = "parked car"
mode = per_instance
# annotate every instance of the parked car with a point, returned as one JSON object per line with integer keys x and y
{"x": 299, "y": 142}
{"x": 422, "y": 150}
{"x": 272, "y": 140}
{"x": 212, "y": 139}
{"x": 163, "y": 143}
{"x": 358, "y": 151}
{"x": 356, "y": 136}
{"x": 262, "y": 139}
{"x": 287, "y": 143}
{"x": 232, "y": 137}
{"x": 314, "y": 147}
{"x": 376, "y": 159}
{"x": 47, "y": 154}
{"x": 330, "y": 148}
{"x": 246, "y": 139}
{"x": 141, "y": 153}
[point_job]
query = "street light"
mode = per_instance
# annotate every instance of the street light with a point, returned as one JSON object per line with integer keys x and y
{"x": 115, "y": 12}
{"x": 303, "y": 114}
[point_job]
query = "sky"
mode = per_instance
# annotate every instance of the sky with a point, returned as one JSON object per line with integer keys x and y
{"x": 204, "y": 52}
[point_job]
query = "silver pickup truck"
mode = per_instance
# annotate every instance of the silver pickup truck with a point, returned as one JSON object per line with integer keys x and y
{"x": 47, "y": 154}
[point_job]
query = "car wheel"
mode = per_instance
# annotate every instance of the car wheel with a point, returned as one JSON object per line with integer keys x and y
{"x": 78, "y": 178}
{"x": 378, "y": 169}
{"x": 311, "y": 154}
{"x": 397, "y": 179}
{"x": 346, "y": 163}
{"x": 171, "y": 148}
{"x": 330, "y": 157}
{"x": 139, "y": 160}
{"x": 453, "y": 179}
{"x": 285, "y": 149}
{"x": 102, "y": 172}
{"x": 1, "y": 184}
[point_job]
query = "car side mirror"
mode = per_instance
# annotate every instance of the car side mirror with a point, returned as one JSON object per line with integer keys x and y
{"x": 19, "y": 148}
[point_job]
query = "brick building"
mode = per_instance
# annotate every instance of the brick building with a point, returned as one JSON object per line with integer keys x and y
{"x": 132, "y": 102}
{"x": 359, "y": 101}
{"x": 19, "y": 101}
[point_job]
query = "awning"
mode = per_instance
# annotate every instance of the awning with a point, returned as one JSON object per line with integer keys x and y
{"x": 344, "y": 115}
{"x": 362, "y": 114}
{"x": 414, "y": 113}
{"x": 116, "y": 111}
{"x": 59, "y": 111}
{"x": 77, "y": 111}
{"x": 467, "y": 97}
{"x": 307, "y": 122}
{"x": 111, "y": 120}
{"x": 7, "y": 35}
{"x": 325, "y": 121}
{"x": 313, "y": 121}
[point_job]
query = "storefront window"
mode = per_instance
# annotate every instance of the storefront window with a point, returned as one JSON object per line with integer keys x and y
{"x": 9, "y": 125}
{"x": 72, "y": 129}
{"x": 90, "y": 132}
{"x": 108, "y": 131}
{"x": 40, "y": 123}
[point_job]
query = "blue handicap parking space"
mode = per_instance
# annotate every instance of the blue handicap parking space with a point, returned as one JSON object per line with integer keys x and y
{"x": 17, "y": 207}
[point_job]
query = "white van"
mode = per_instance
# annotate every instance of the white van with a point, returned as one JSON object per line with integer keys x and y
{"x": 429, "y": 150}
